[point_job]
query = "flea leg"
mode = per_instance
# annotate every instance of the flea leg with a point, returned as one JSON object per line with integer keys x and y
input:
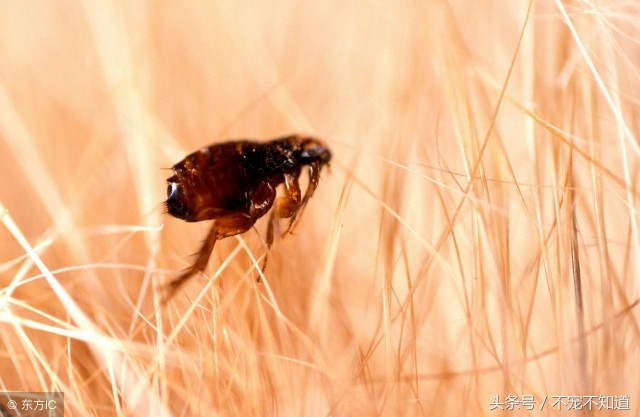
{"x": 221, "y": 228}
{"x": 314, "y": 178}
{"x": 286, "y": 206}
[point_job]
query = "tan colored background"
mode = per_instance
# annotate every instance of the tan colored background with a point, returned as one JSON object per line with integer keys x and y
{"x": 477, "y": 234}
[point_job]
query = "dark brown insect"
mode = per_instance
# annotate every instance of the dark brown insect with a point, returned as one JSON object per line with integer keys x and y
{"x": 234, "y": 183}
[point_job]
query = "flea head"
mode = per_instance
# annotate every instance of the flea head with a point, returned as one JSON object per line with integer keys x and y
{"x": 312, "y": 149}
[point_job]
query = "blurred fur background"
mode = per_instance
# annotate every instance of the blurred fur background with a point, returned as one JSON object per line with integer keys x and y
{"x": 477, "y": 234}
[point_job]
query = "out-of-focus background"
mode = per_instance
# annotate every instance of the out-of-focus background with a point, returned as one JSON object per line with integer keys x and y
{"x": 475, "y": 245}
